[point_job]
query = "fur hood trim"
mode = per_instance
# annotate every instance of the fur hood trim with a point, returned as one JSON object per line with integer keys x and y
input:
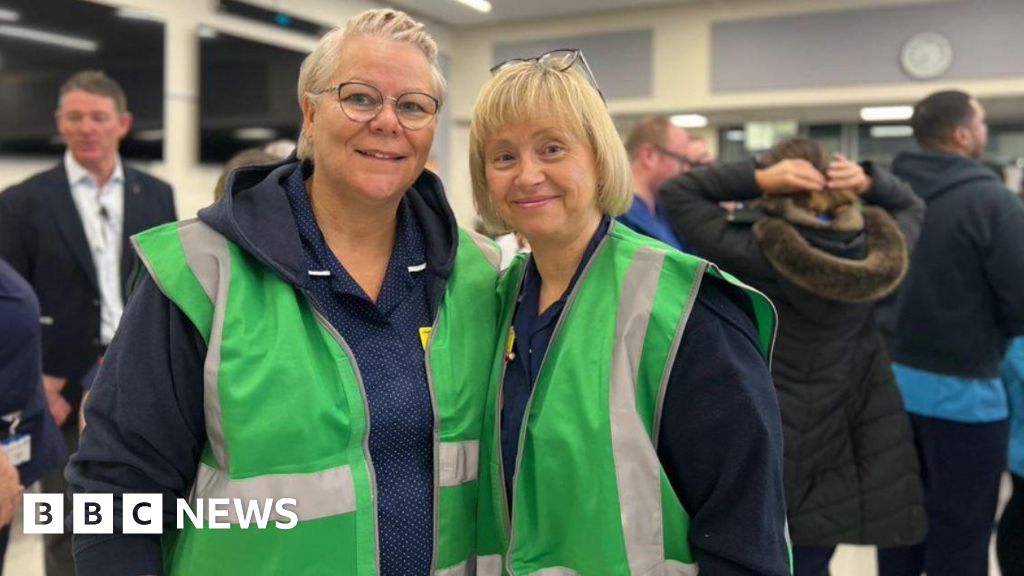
{"x": 831, "y": 277}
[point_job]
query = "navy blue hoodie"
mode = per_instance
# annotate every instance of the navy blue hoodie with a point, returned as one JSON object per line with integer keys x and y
{"x": 145, "y": 411}
{"x": 963, "y": 298}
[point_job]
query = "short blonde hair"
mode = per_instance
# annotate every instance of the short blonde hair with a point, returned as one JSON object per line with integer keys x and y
{"x": 321, "y": 64}
{"x": 532, "y": 92}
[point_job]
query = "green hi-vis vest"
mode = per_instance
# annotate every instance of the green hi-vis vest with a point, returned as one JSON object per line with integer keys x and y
{"x": 590, "y": 496}
{"x": 287, "y": 417}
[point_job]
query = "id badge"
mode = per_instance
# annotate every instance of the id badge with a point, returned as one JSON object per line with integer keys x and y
{"x": 18, "y": 448}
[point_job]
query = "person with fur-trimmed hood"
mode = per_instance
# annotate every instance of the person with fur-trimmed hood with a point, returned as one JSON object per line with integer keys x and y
{"x": 824, "y": 240}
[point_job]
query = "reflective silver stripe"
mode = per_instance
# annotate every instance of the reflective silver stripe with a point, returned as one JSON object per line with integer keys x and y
{"x": 637, "y": 469}
{"x": 698, "y": 277}
{"x": 489, "y": 565}
{"x": 207, "y": 255}
{"x": 529, "y": 403}
{"x": 677, "y": 568}
{"x": 317, "y": 495}
{"x": 205, "y": 251}
{"x": 491, "y": 251}
{"x": 459, "y": 462}
{"x": 365, "y": 442}
{"x": 436, "y": 442}
{"x": 555, "y": 571}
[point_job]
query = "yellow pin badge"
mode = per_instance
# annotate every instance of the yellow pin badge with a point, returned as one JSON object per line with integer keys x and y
{"x": 425, "y": 335}
{"x": 510, "y": 346}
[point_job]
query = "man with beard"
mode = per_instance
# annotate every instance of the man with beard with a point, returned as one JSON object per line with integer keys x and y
{"x": 962, "y": 301}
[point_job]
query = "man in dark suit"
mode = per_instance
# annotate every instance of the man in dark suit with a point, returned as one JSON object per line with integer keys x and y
{"x": 66, "y": 231}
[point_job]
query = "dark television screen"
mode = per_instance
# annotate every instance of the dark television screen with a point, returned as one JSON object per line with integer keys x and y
{"x": 246, "y": 94}
{"x": 43, "y": 42}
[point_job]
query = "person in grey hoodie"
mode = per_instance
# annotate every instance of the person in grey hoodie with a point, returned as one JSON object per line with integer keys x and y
{"x": 948, "y": 330}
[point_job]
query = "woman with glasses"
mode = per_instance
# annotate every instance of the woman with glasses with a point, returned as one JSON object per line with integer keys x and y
{"x": 322, "y": 333}
{"x": 632, "y": 427}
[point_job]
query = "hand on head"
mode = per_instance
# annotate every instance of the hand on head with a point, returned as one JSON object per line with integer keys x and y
{"x": 845, "y": 175}
{"x": 795, "y": 175}
{"x": 789, "y": 176}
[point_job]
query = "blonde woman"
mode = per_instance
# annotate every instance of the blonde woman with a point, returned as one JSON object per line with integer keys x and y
{"x": 632, "y": 424}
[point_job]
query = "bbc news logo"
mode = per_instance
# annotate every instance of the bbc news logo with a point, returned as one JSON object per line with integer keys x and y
{"x": 143, "y": 513}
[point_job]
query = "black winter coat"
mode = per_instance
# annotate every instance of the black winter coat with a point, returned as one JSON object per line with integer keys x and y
{"x": 851, "y": 474}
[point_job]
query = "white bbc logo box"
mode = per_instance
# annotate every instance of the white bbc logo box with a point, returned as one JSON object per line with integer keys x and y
{"x": 43, "y": 513}
{"x": 93, "y": 514}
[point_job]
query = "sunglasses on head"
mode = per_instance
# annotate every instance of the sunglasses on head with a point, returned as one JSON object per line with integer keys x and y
{"x": 559, "y": 61}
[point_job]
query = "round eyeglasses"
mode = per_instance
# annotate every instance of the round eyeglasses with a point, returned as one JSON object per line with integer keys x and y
{"x": 363, "y": 102}
{"x": 558, "y": 60}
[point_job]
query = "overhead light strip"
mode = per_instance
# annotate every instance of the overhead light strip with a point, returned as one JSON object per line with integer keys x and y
{"x": 478, "y": 5}
{"x": 689, "y": 120}
{"x": 9, "y": 15}
{"x": 134, "y": 14}
{"x": 255, "y": 133}
{"x": 154, "y": 135}
{"x": 892, "y": 131}
{"x": 885, "y": 113}
{"x": 44, "y": 37}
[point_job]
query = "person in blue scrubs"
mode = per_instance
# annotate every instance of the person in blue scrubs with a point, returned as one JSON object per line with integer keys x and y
{"x": 657, "y": 153}
{"x": 1010, "y": 538}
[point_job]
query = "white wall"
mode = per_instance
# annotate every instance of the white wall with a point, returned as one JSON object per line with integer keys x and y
{"x": 681, "y": 61}
{"x": 682, "y": 67}
{"x": 193, "y": 182}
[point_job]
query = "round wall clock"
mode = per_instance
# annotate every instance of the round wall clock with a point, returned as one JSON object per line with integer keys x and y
{"x": 927, "y": 55}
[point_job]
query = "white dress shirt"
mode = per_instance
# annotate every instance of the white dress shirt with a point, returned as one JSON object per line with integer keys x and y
{"x": 101, "y": 211}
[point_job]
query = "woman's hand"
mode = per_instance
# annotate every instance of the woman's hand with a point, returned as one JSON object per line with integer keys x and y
{"x": 846, "y": 175}
{"x": 789, "y": 176}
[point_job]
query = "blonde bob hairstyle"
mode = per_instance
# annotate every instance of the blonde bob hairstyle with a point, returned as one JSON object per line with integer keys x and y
{"x": 532, "y": 93}
{"x": 320, "y": 66}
